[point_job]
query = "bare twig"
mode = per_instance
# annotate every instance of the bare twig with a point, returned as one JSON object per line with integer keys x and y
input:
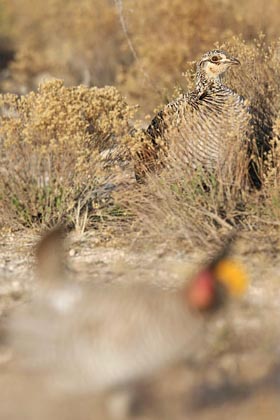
{"x": 119, "y": 7}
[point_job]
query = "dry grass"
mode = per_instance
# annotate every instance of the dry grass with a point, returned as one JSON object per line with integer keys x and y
{"x": 180, "y": 210}
{"x": 86, "y": 43}
{"x": 60, "y": 148}
{"x": 64, "y": 149}
{"x": 81, "y": 44}
{"x": 179, "y": 203}
{"x": 74, "y": 141}
{"x": 60, "y": 133}
{"x": 167, "y": 38}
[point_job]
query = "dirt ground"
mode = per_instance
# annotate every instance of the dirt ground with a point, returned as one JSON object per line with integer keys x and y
{"x": 237, "y": 374}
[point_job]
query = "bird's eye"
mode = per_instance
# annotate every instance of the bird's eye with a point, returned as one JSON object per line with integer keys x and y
{"x": 215, "y": 58}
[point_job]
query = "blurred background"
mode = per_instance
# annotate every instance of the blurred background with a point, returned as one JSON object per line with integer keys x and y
{"x": 141, "y": 47}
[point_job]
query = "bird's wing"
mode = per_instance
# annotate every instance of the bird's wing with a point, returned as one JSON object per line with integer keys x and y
{"x": 169, "y": 115}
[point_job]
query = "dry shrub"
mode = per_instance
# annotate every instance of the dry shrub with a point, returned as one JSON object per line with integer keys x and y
{"x": 60, "y": 147}
{"x": 78, "y": 42}
{"x": 271, "y": 184}
{"x": 197, "y": 205}
{"x": 176, "y": 207}
{"x": 191, "y": 204}
{"x": 258, "y": 80}
{"x": 167, "y": 35}
{"x": 85, "y": 42}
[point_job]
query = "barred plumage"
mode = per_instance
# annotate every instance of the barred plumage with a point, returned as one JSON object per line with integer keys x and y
{"x": 206, "y": 119}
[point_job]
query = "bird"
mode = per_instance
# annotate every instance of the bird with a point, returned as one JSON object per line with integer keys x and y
{"x": 198, "y": 125}
{"x": 84, "y": 338}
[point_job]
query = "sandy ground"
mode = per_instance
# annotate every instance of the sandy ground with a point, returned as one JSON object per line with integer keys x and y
{"x": 237, "y": 374}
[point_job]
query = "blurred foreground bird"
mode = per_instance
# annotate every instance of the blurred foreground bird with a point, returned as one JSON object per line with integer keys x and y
{"x": 201, "y": 127}
{"x": 85, "y": 338}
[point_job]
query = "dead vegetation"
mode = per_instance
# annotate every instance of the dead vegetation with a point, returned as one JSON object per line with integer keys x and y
{"x": 67, "y": 155}
{"x": 87, "y": 44}
{"x": 74, "y": 141}
{"x": 58, "y": 125}
{"x": 193, "y": 207}
{"x": 180, "y": 203}
{"x": 61, "y": 152}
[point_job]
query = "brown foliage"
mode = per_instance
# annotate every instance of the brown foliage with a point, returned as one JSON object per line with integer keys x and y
{"x": 178, "y": 203}
{"x": 168, "y": 35}
{"x": 86, "y": 42}
{"x": 58, "y": 145}
{"x": 79, "y": 42}
{"x": 64, "y": 136}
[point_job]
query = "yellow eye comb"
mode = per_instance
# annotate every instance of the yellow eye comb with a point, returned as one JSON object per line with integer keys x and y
{"x": 232, "y": 275}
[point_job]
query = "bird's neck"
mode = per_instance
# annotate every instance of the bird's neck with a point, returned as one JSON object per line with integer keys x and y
{"x": 205, "y": 84}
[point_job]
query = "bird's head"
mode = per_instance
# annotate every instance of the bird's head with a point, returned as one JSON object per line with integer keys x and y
{"x": 214, "y": 63}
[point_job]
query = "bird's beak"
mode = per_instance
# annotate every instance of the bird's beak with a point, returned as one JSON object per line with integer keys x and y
{"x": 233, "y": 61}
